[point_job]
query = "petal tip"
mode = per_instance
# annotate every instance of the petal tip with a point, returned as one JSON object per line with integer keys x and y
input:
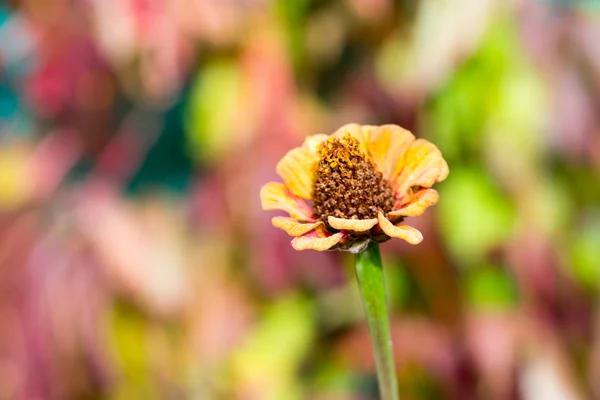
{"x": 293, "y": 227}
{"x": 405, "y": 232}
{"x": 356, "y": 225}
{"x": 418, "y": 203}
{"x": 276, "y": 196}
{"x": 316, "y": 241}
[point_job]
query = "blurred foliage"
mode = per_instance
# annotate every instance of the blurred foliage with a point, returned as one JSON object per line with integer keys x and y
{"x": 475, "y": 217}
{"x": 213, "y": 108}
{"x": 584, "y": 251}
{"x": 490, "y": 287}
{"x": 135, "y": 261}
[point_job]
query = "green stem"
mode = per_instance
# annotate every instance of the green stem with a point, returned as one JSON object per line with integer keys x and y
{"x": 369, "y": 273}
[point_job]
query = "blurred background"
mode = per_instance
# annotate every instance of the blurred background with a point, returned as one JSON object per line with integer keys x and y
{"x": 135, "y": 262}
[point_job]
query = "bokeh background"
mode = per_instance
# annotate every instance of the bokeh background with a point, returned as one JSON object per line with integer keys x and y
{"x": 135, "y": 262}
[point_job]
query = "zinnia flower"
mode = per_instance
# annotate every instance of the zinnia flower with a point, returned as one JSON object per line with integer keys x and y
{"x": 356, "y": 185}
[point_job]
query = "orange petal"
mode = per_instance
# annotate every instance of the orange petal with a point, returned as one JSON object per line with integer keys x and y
{"x": 293, "y": 227}
{"x": 386, "y": 145}
{"x": 298, "y": 167}
{"x": 422, "y": 165}
{"x": 275, "y": 196}
{"x": 356, "y": 225}
{"x": 417, "y": 205}
{"x": 317, "y": 240}
{"x": 404, "y": 232}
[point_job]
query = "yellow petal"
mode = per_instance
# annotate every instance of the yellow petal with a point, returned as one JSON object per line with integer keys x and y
{"x": 293, "y": 227}
{"x": 356, "y": 225}
{"x": 275, "y": 196}
{"x": 422, "y": 165}
{"x": 417, "y": 205}
{"x": 317, "y": 240}
{"x": 404, "y": 232}
{"x": 298, "y": 167}
{"x": 312, "y": 142}
{"x": 386, "y": 145}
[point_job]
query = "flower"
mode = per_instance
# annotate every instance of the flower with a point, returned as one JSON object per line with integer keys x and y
{"x": 356, "y": 185}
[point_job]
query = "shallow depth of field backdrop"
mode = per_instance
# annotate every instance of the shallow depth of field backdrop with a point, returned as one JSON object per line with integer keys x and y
{"x": 135, "y": 262}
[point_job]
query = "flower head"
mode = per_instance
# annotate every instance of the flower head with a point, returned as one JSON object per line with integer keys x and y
{"x": 356, "y": 185}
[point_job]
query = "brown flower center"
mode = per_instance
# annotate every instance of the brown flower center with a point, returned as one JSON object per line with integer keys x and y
{"x": 347, "y": 184}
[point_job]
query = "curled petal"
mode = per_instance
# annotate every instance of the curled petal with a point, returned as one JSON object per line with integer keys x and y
{"x": 422, "y": 165}
{"x": 318, "y": 240}
{"x": 404, "y": 232}
{"x": 275, "y": 196}
{"x": 356, "y": 225}
{"x": 420, "y": 201}
{"x": 444, "y": 169}
{"x": 293, "y": 227}
{"x": 386, "y": 145}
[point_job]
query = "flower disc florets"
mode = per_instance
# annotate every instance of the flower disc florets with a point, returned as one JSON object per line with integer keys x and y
{"x": 347, "y": 184}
